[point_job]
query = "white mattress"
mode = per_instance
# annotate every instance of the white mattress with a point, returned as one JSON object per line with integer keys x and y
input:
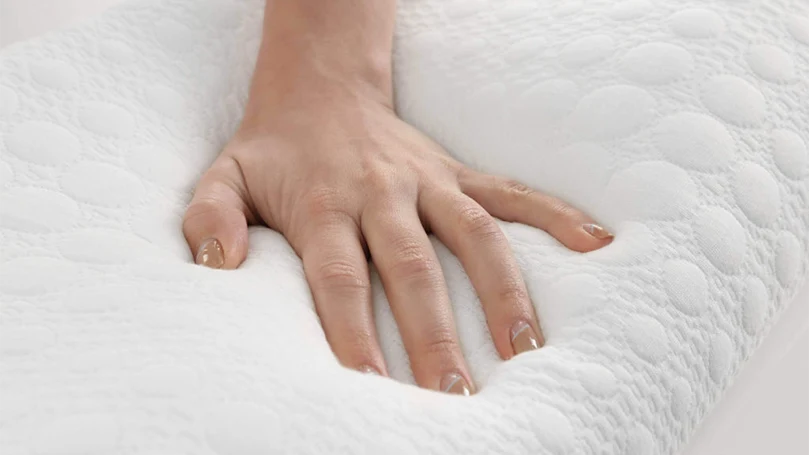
{"x": 693, "y": 151}
{"x": 766, "y": 410}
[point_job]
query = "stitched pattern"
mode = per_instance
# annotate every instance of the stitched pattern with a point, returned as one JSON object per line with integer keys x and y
{"x": 681, "y": 125}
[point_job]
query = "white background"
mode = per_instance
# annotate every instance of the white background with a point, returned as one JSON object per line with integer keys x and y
{"x": 765, "y": 412}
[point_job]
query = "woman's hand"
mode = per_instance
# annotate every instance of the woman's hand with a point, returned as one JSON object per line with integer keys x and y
{"x": 322, "y": 158}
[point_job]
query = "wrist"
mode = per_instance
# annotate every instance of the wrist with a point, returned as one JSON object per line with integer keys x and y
{"x": 342, "y": 33}
{"x": 292, "y": 65}
{"x": 284, "y": 89}
{"x": 314, "y": 51}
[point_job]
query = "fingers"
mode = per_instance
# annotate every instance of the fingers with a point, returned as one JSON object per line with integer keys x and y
{"x": 215, "y": 223}
{"x": 476, "y": 239}
{"x": 337, "y": 271}
{"x": 414, "y": 284}
{"x": 513, "y": 201}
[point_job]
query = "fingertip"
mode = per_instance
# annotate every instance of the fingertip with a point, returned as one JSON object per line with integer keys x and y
{"x": 582, "y": 237}
{"x": 443, "y": 368}
{"x": 512, "y": 201}
{"x": 216, "y": 236}
{"x": 353, "y": 347}
{"x": 525, "y": 338}
{"x": 367, "y": 369}
{"x": 210, "y": 254}
{"x": 456, "y": 384}
{"x": 370, "y": 362}
{"x": 592, "y": 237}
{"x": 373, "y": 367}
{"x": 597, "y": 232}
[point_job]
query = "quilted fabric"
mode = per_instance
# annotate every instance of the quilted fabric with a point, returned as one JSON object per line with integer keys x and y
{"x": 682, "y": 125}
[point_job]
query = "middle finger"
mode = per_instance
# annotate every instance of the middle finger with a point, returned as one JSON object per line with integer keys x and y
{"x": 415, "y": 287}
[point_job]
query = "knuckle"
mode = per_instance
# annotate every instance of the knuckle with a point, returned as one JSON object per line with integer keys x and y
{"x": 411, "y": 262}
{"x": 340, "y": 274}
{"x": 440, "y": 342}
{"x": 466, "y": 177}
{"x": 515, "y": 189}
{"x": 512, "y": 292}
{"x": 561, "y": 214}
{"x": 381, "y": 183}
{"x": 322, "y": 201}
{"x": 477, "y": 222}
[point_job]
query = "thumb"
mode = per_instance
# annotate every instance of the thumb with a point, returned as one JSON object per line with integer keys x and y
{"x": 215, "y": 223}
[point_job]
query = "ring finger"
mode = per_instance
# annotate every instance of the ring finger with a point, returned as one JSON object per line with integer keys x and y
{"x": 476, "y": 239}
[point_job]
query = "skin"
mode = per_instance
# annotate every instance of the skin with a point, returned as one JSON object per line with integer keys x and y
{"x": 322, "y": 158}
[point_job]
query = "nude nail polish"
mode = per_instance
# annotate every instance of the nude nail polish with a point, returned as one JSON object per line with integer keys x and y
{"x": 597, "y": 231}
{"x": 456, "y": 384}
{"x": 211, "y": 254}
{"x": 523, "y": 338}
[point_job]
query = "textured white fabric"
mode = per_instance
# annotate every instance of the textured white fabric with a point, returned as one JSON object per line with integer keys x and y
{"x": 681, "y": 125}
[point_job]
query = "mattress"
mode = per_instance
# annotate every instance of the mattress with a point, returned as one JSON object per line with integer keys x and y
{"x": 681, "y": 125}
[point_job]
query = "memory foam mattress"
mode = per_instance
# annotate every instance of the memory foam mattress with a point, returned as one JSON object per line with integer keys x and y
{"x": 682, "y": 126}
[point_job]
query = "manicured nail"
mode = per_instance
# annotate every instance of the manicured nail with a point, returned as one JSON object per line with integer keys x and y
{"x": 455, "y": 383}
{"x": 368, "y": 370}
{"x": 597, "y": 231}
{"x": 211, "y": 254}
{"x": 523, "y": 338}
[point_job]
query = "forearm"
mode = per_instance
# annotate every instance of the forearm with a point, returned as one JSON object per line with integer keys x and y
{"x": 335, "y": 48}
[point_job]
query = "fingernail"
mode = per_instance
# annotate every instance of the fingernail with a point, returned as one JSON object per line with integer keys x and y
{"x": 523, "y": 338}
{"x": 211, "y": 254}
{"x": 455, "y": 383}
{"x": 597, "y": 231}
{"x": 368, "y": 370}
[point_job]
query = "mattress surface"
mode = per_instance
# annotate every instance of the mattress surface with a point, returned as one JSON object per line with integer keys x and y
{"x": 682, "y": 126}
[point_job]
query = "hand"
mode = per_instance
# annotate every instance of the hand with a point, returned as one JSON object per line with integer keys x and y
{"x": 322, "y": 158}
{"x": 344, "y": 176}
